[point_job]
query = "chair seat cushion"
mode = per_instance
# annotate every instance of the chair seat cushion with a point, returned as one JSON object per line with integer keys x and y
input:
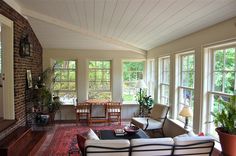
{"x": 141, "y": 122}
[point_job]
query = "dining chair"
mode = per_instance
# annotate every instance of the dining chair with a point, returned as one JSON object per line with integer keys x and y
{"x": 82, "y": 111}
{"x": 114, "y": 112}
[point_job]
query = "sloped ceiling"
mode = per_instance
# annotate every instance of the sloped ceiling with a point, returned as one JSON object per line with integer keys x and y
{"x": 137, "y": 25}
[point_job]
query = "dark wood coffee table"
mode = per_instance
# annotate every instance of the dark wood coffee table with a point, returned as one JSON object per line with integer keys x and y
{"x": 110, "y": 134}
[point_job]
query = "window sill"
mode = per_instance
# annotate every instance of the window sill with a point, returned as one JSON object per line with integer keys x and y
{"x": 4, "y": 124}
{"x": 129, "y": 103}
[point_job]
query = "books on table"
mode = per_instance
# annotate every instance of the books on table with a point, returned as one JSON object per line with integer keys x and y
{"x": 119, "y": 132}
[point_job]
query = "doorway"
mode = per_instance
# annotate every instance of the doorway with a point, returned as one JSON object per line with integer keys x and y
{"x": 7, "y": 109}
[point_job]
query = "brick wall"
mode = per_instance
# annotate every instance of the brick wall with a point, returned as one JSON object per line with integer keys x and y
{"x": 33, "y": 63}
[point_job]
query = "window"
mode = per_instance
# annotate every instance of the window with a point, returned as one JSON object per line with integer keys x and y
{"x": 186, "y": 83}
{"x": 222, "y": 80}
{"x": 99, "y": 80}
{"x": 164, "y": 80}
{"x": 132, "y": 71}
{"x": 151, "y": 77}
{"x": 65, "y": 81}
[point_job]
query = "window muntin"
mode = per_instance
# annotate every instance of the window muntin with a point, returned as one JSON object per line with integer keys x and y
{"x": 132, "y": 71}
{"x": 99, "y": 79}
{"x": 65, "y": 81}
{"x": 164, "y": 80}
{"x": 186, "y": 83}
{"x": 222, "y": 81}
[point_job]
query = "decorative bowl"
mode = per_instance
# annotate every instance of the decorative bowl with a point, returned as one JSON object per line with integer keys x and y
{"x": 131, "y": 129}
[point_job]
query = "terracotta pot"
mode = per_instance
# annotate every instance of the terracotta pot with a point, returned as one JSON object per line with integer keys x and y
{"x": 228, "y": 142}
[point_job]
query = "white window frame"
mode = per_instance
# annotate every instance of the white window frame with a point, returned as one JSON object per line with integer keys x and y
{"x": 136, "y": 89}
{"x": 162, "y": 84}
{"x": 110, "y": 71}
{"x": 151, "y": 77}
{"x": 207, "y": 124}
{"x": 181, "y": 87}
{"x": 60, "y": 81}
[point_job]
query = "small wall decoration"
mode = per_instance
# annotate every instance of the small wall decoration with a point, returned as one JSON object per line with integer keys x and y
{"x": 29, "y": 79}
{"x": 25, "y": 46}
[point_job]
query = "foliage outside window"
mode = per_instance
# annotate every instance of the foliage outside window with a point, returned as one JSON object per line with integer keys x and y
{"x": 222, "y": 81}
{"x": 164, "y": 79}
{"x": 186, "y": 83}
{"x": 65, "y": 81}
{"x": 132, "y": 71}
{"x": 99, "y": 80}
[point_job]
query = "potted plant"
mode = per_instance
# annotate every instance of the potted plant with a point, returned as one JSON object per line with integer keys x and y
{"x": 49, "y": 103}
{"x": 226, "y": 119}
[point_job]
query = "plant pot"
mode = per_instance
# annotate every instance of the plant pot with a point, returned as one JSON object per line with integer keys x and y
{"x": 228, "y": 142}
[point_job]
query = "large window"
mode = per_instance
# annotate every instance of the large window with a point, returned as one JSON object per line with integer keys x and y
{"x": 99, "y": 80}
{"x": 164, "y": 80}
{"x": 132, "y": 71}
{"x": 65, "y": 81}
{"x": 186, "y": 82}
{"x": 222, "y": 80}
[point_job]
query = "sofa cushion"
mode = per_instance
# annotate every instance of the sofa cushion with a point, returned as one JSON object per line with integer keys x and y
{"x": 187, "y": 145}
{"x": 159, "y": 112}
{"x": 120, "y": 147}
{"x": 91, "y": 135}
{"x": 151, "y": 147}
{"x": 142, "y": 123}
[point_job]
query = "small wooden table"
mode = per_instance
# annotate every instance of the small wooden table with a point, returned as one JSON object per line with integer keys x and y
{"x": 97, "y": 107}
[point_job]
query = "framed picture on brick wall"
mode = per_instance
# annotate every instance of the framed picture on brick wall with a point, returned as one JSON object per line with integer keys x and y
{"x": 29, "y": 79}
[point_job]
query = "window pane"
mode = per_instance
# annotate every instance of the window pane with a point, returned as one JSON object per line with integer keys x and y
{"x": 72, "y": 86}
{"x": 72, "y": 75}
{"x": 64, "y": 86}
{"x": 56, "y": 86}
{"x": 218, "y": 81}
{"x": 229, "y": 82}
{"x": 219, "y": 60}
{"x": 64, "y": 75}
{"x": 72, "y": 64}
{"x": 230, "y": 59}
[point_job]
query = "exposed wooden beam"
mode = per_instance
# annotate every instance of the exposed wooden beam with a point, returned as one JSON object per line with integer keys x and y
{"x": 66, "y": 25}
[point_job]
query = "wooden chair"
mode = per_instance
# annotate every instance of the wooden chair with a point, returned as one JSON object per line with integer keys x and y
{"x": 114, "y": 112}
{"x": 82, "y": 111}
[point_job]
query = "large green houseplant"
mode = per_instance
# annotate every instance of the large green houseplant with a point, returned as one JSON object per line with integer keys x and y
{"x": 225, "y": 120}
{"x": 48, "y": 102}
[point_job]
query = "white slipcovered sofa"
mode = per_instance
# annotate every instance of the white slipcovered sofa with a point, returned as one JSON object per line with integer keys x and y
{"x": 179, "y": 146}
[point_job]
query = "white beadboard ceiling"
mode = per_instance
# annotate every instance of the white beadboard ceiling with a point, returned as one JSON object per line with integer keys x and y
{"x": 137, "y": 25}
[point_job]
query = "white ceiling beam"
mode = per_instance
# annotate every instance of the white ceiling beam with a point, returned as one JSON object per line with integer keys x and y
{"x": 75, "y": 28}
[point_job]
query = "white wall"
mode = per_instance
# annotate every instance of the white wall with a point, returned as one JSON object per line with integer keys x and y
{"x": 83, "y": 56}
{"x": 218, "y": 33}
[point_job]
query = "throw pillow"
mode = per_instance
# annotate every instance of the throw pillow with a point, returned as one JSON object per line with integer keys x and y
{"x": 81, "y": 142}
{"x": 182, "y": 135}
{"x": 91, "y": 135}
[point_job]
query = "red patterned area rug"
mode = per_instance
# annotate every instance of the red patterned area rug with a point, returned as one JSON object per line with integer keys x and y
{"x": 64, "y": 141}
